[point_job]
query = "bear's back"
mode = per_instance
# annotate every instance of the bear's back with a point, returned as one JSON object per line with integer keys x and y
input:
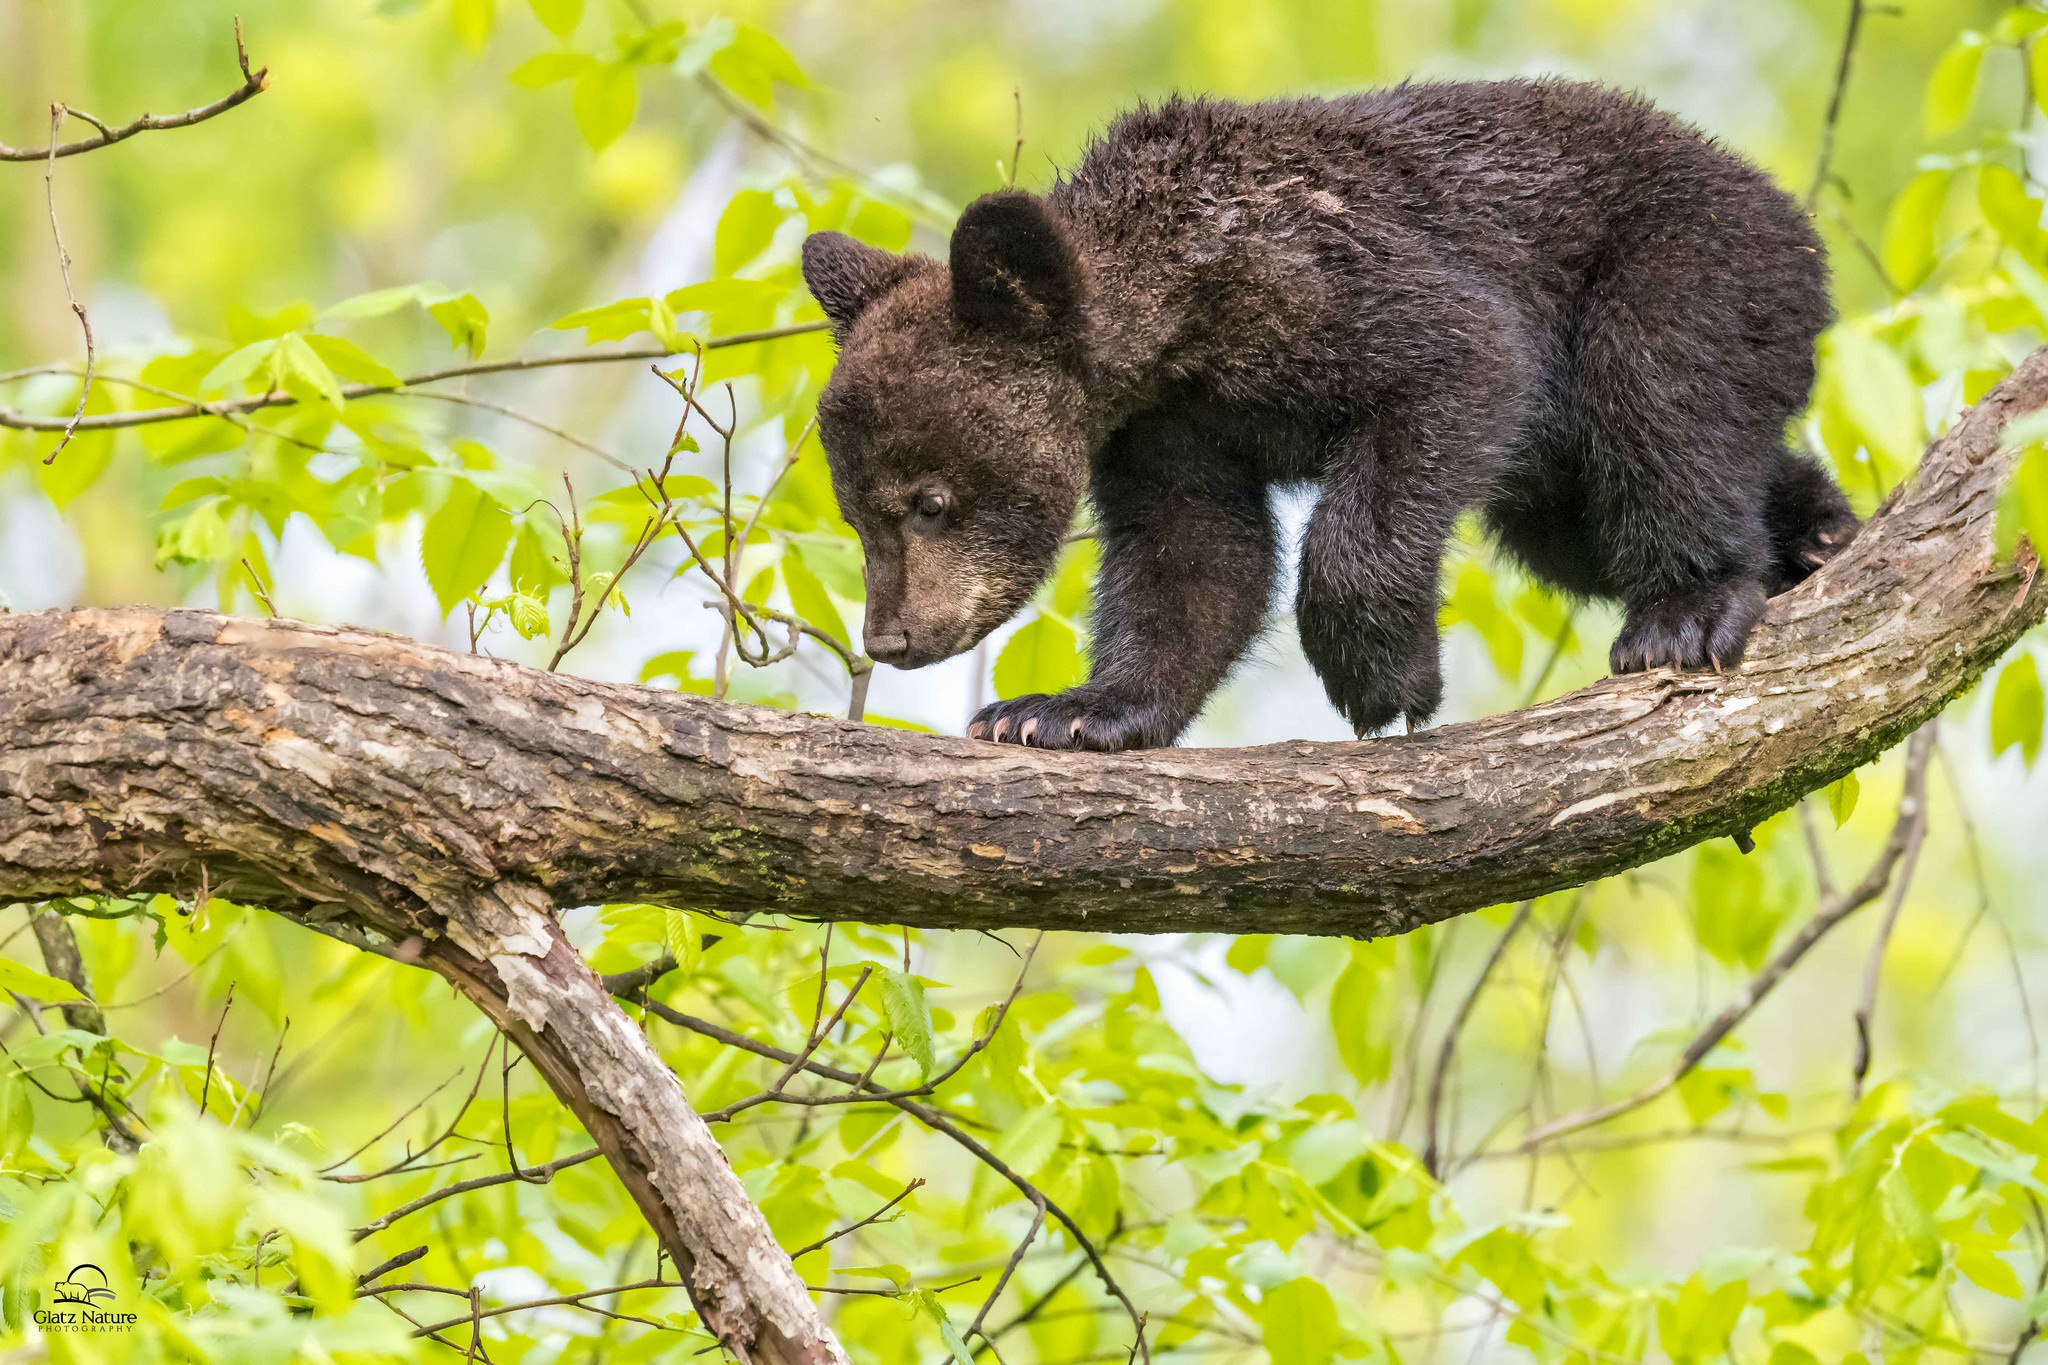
{"x": 1514, "y": 172}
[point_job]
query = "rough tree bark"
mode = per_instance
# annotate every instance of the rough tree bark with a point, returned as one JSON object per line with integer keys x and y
{"x": 375, "y": 786}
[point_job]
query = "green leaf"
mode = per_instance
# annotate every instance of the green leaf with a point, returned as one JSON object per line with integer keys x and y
{"x": 238, "y": 366}
{"x": 894, "y": 1274}
{"x": 610, "y": 322}
{"x": 2023, "y": 506}
{"x": 808, "y": 595}
{"x": 464, "y": 542}
{"x": 17, "y": 1115}
{"x": 384, "y": 302}
{"x": 2013, "y": 213}
{"x": 1842, "y": 798}
{"x": 464, "y": 319}
{"x": 745, "y": 229}
{"x": 33, "y": 984}
{"x": 473, "y": 22}
{"x": 1869, "y": 387}
{"x": 551, "y": 67}
{"x": 1026, "y": 1145}
{"x": 910, "y": 1018}
{"x": 751, "y": 64}
{"x": 1300, "y": 1323}
{"x": 558, "y": 17}
{"x": 1043, "y": 656}
{"x": 1362, "y": 1013}
{"x": 606, "y": 95}
{"x": 936, "y": 1311}
{"x": 2016, "y": 710}
{"x": 303, "y": 374}
{"x": 1697, "y": 1322}
{"x": 351, "y": 361}
{"x": 1911, "y": 250}
{"x": 1987, "y": 1271}
{"x": 1952, "y": 89}
{"x": 712, "y": 39}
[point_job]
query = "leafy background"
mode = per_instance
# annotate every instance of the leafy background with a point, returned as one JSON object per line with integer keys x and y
{"x": 1244, "y": 1130}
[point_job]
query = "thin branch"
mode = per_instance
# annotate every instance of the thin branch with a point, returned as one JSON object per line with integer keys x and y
{"x": 852, "y": 1228}
{"x": 938, "y": 1121}
{"x": 213, "y": 1044}
{"x": 576, "y": 1300}
{"x": 277, "y": 398}
{"x": 1907, "y": 831}
{"x": 401, "y": 1260}
{"x": 253, "y": 84}
{"x": 1873, "y": 968}
{"x": 57, "y": 112}
{"x": 1430, "y": 1126}
{"x": 528, "y": 419}
{"x": 536, "y": 1175}
{"x": 1016, "y": 1258}
{"x": 1825, "y": 162}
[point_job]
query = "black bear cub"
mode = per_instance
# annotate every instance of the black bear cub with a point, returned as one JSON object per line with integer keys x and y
{"x": 1546, "y": 300}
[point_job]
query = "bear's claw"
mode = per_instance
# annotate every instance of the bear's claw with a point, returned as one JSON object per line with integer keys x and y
{"x": 1077, "y": 719}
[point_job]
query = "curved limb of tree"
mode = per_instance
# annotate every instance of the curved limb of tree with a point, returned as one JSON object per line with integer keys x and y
{"x": 385, "y": 791}
{"x": 337, "y": 774}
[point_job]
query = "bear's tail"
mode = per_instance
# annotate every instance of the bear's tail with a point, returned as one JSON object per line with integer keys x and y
{"x": 1808, "y": 518}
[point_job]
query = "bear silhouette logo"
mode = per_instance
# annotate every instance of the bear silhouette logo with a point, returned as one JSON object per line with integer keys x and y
{"x": 86, "y": 1285}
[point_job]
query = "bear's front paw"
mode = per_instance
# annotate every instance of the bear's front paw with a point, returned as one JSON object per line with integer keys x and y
{"x": 1707, "y": 627}
{"x": 1079, "y": 719}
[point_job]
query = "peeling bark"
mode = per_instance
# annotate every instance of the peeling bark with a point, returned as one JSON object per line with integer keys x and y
{"x": 330, "y": 772}
{"x": 369, "y": 783}
{"x": 509, "y": 957}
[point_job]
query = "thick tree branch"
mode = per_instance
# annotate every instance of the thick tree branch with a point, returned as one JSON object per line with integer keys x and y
{"x": 334, "y": 773}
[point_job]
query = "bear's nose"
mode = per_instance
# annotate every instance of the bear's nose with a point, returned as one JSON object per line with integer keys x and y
{"x": 888, "y": 646}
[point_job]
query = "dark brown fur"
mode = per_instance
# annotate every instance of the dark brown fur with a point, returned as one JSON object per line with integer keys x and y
{"x": 1543, "y": 299}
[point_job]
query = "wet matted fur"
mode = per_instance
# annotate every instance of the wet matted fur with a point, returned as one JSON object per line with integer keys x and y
{"x": 1543, "y": 299}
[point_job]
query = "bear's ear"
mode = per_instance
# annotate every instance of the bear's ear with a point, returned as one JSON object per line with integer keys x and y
{"x": 1013, "y": 269}
{"x": 845, "y": 276}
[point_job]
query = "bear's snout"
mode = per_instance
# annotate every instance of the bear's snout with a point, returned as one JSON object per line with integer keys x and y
{"x": 888, "y": 645}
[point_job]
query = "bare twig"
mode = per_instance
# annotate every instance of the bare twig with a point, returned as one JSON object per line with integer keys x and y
{"x": 253, "y": 84}
{"x": 1907, "y": 830}
{"x": 537, "y": 1175}
{"x": 1430, "y": 1149}
{"x": 525, "y": 418}
{"x": 57, "y": 113}
{"x": 1873, "y": 968}
{"x": 63, "y": 960}
{"x": 1003, "y": 1280}
{"x": 478, "y": 1313}
{"x": 213, "y": 1044}
{"x": 938, "y": 1121}
{"x": 851, "y": 1228}
{"x": 277, "y": 398}
{"x": 402, "y": 1259}
{"x": 1824, "y": 163}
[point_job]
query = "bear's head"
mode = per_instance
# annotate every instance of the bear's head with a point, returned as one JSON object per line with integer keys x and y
{"x": 953, "y": 421}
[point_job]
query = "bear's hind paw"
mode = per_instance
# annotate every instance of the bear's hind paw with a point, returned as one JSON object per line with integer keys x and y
{"x": 1703, "y": 628}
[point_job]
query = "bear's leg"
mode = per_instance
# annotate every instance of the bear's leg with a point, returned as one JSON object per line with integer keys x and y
{"x": 1679, "y": 418}
{"x": 1366, "y": 606}
{"x": 1679, "y": 506}
{"x": 1188, "y": 558}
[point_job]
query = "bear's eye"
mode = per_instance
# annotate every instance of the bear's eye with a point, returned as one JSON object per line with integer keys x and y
{"x": 930, "y": 505}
